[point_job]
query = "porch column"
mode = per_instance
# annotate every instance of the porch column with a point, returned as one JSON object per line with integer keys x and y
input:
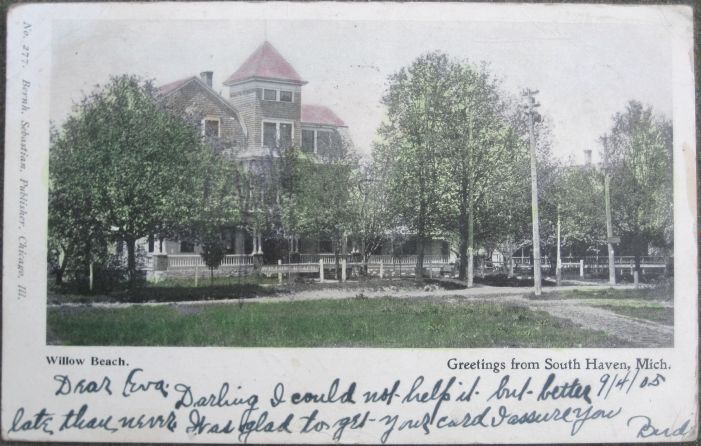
{"x": 255, "y": 242}
{"x": 260, "y": 245}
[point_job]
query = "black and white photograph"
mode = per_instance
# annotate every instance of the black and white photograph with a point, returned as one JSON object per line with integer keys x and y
{"x": 253, "y": 184}
{"x": 349, "y": 223}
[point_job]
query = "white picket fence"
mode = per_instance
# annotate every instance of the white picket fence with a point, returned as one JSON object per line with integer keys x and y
{"x": 374, "y": 259}
{"x": 387, "y": 259}
{"x": 195, "y": 260}
{"x": 327, "y": 258}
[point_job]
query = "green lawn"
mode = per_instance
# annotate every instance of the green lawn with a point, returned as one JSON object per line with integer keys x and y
{"x": 385, "y": 322}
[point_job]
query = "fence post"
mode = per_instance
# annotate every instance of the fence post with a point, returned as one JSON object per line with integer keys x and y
{"x": 511, "y": 267}
{"x": 279, "y": 271}
{"x": 321, "y": 270}
{"x": 382, "y": 269}
{"x": 581, "y": 268}
{"x": 343, "y": 270}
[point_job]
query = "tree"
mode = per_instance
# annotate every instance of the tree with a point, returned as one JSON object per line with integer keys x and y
{"x": 369, "y": 204}
{"x": 411, "y": 138}
{"x": 483, "y": 154}
{"x": 219, "y": 209}
{"x": 580, "y": 199}
{"x": 323, "y": 205}
{"x": 639, "y": 155}
{"x": 127, "y": 165}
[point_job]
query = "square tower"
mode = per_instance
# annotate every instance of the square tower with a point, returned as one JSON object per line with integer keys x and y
{"x": 267, "y": 92}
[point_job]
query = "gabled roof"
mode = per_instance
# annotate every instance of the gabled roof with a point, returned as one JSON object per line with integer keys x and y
{"x": 265, "y": 63}
{"x": 320, "y": 114}
{"x": 168, "y": 89}
{"x": 165, "y": 90}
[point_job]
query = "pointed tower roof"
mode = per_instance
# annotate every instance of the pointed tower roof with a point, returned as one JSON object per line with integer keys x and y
{"x": 265, "y": 63}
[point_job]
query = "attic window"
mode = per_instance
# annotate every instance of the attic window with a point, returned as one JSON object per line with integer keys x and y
{"x": 269, "y": 95}
{"x": 210, "y": 127}
{"x": 285, "y": 96}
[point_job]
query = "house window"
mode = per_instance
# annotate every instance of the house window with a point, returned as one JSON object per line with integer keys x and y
{"x": 323, "y": 142}
{"x": 285, "y": 96}
{"x": 186, "y": 246}
{"x": 151, "y": 243}
{"x": 277, "y": 132}
{"x": 269, "y": 134}
{"x": 285, "y": 135}
{"x": 308, "y": 141}
{"x": 211, "y": 127}
{"x": 316, "y": 141}
{"x": 269, "y": 95}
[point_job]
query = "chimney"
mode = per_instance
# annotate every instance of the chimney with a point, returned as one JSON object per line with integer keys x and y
{"x": 587, "y": 157}
{"x": 206, "y": 77}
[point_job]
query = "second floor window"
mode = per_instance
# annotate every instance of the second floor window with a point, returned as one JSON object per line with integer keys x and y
{"x": 211, "y": 128}
{"x": 323, "y": 142}
{"x": 308, "y": 141}
{"x": 317, "y": 141}
{"x": 277, "y": 134}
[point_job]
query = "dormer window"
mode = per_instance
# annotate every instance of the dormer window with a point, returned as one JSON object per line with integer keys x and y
{"x": 211, "y": 127}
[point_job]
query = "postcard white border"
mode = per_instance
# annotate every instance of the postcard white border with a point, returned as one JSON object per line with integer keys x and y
{"x": 27, "y": 380}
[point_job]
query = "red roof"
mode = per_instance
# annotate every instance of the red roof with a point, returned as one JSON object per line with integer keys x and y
{"x": 320, "y": 114}
{"x": 266, "y": 63}
{"x": 168, "y": 88}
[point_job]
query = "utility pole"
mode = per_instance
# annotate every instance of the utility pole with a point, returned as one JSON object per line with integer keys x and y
{"x": 533, "y": 117}
{"x": 609, "y": 225}
{"x": 558, "y": 266}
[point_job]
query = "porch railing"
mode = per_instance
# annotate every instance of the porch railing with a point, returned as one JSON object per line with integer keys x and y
{"x": 196, "y": 260}
{"x": 389, "y": 259}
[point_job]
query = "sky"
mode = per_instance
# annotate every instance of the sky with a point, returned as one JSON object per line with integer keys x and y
{"x": 585, "y": 72}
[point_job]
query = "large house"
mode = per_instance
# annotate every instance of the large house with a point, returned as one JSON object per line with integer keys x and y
{"x": 261, "y": 110}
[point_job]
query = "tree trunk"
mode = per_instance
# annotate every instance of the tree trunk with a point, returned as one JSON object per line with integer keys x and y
{"x": 131, "y": 259}
{"x": 337, "y": 258}
{"x": 420, "y": 257}
{"x": 470, "y": 246}
{"x": 61, "y": 267}
{"x": 464, "y": 233}
{"x": 211, "y": 276}
{"x": 637, "y": 249}
{"x": 59, "y": 277}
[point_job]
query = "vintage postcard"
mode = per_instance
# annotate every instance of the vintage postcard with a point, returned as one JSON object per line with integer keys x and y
{"x": 292, "y": 222}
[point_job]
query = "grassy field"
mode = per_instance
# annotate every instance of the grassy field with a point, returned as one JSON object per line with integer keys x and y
{"x": 385, "y": 322}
